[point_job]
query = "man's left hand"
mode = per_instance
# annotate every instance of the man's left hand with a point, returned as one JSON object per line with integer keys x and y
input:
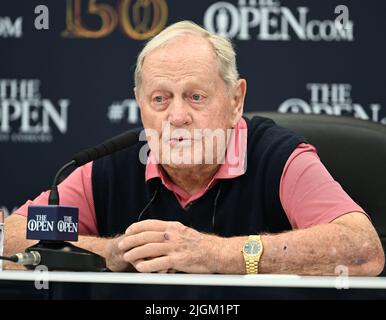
{"x": 165, "y": 246}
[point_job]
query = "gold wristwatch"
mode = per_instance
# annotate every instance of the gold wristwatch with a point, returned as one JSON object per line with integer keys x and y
{"x": 252, "y": 251}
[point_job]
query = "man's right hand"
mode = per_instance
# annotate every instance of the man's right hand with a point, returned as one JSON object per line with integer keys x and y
{"x": 114, "y": 256}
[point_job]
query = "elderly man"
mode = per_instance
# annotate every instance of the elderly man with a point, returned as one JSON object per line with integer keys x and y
{"x": 214, "y": 213}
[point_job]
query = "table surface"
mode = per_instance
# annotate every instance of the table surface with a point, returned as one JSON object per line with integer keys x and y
{"x": 289, "y": 281}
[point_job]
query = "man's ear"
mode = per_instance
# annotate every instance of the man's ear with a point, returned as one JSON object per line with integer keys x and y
{"x": 136, "y": 95}
{"x": 238, "y": 100}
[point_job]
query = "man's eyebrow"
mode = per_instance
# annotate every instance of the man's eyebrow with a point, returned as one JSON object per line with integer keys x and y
{"x": 153, "y": 85}
{"x": 166, "y": 85}
{"x": 158, "y": 87}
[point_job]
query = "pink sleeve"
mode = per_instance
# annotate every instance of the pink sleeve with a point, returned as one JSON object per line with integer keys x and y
{"x": 75, "y": 190}
{"x": 308, "y": 193}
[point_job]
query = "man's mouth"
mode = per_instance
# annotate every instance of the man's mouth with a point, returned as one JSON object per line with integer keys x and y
{"x": 180, "y": 141}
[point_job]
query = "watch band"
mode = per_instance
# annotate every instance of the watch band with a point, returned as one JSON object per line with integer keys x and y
{"x": 251, "y": 266}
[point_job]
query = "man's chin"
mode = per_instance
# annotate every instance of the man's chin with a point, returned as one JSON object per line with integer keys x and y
{"x": 180, "y": 165}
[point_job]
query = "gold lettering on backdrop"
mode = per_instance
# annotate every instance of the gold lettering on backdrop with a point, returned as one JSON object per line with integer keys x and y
{"x": 75, "y": 27}
{"x": 140, "y": 19}
{"x": 143, "y": 27}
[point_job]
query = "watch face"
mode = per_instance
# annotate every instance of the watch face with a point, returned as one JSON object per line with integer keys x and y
{"x": 251, "y": 247}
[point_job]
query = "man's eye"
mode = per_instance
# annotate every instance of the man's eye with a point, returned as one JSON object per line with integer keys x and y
{"x": 196, "y": 97}
{"x": 159, "y": 99}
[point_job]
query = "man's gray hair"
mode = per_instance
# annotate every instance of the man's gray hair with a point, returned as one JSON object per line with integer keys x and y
{"x": 223, "y": 49}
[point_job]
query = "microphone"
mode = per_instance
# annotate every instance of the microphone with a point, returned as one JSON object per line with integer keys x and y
{"x": 110, "y": 146}
{"x": 56, "y": 224}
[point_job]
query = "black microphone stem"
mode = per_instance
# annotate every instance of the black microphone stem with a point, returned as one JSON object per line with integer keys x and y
{"x": 54, "y": 194}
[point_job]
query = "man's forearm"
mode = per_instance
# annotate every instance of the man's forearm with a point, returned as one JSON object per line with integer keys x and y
{"x": 94, "y": 244}
{"x": 15, "y": 232}
{"x": 312, "y": 251}
{"x": 315, "y": 251}
{"x": 15, "y": 239}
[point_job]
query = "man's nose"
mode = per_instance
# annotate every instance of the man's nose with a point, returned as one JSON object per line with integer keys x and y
{"x": 179, "y": 113}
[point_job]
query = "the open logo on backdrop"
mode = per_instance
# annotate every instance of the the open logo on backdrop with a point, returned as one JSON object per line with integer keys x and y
{"x": 332, "y": 99}
{"x": 267, "y": 20}
{"x": 25, "y": 116}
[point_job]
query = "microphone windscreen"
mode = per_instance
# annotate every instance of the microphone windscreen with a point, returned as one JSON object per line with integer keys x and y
{"x": 110, "y": 146}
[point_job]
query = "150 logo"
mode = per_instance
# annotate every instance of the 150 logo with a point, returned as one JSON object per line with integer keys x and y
{"x": 140, "y": 19}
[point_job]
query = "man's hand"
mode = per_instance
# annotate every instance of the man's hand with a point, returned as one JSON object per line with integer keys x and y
{"x": 163, "y": 246}
{"x": 114, "y": 256}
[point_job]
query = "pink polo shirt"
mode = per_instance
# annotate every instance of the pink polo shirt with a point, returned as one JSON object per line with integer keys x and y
{"x": 308, "y": 193}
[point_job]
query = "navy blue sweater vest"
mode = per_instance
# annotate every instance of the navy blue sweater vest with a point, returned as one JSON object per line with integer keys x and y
{"x": 248, "y": 204}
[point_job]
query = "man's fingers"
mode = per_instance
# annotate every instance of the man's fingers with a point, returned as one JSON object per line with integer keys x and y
{"x": 137, "y": 240}
{"x": 154, "y": 265}
{"x": 150, "y": 225}
{"x": 149, "y": 250}
{"x": 146, "y": 225}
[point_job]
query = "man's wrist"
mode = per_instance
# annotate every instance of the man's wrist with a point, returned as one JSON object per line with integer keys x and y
{"x": 227, "y": 257}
